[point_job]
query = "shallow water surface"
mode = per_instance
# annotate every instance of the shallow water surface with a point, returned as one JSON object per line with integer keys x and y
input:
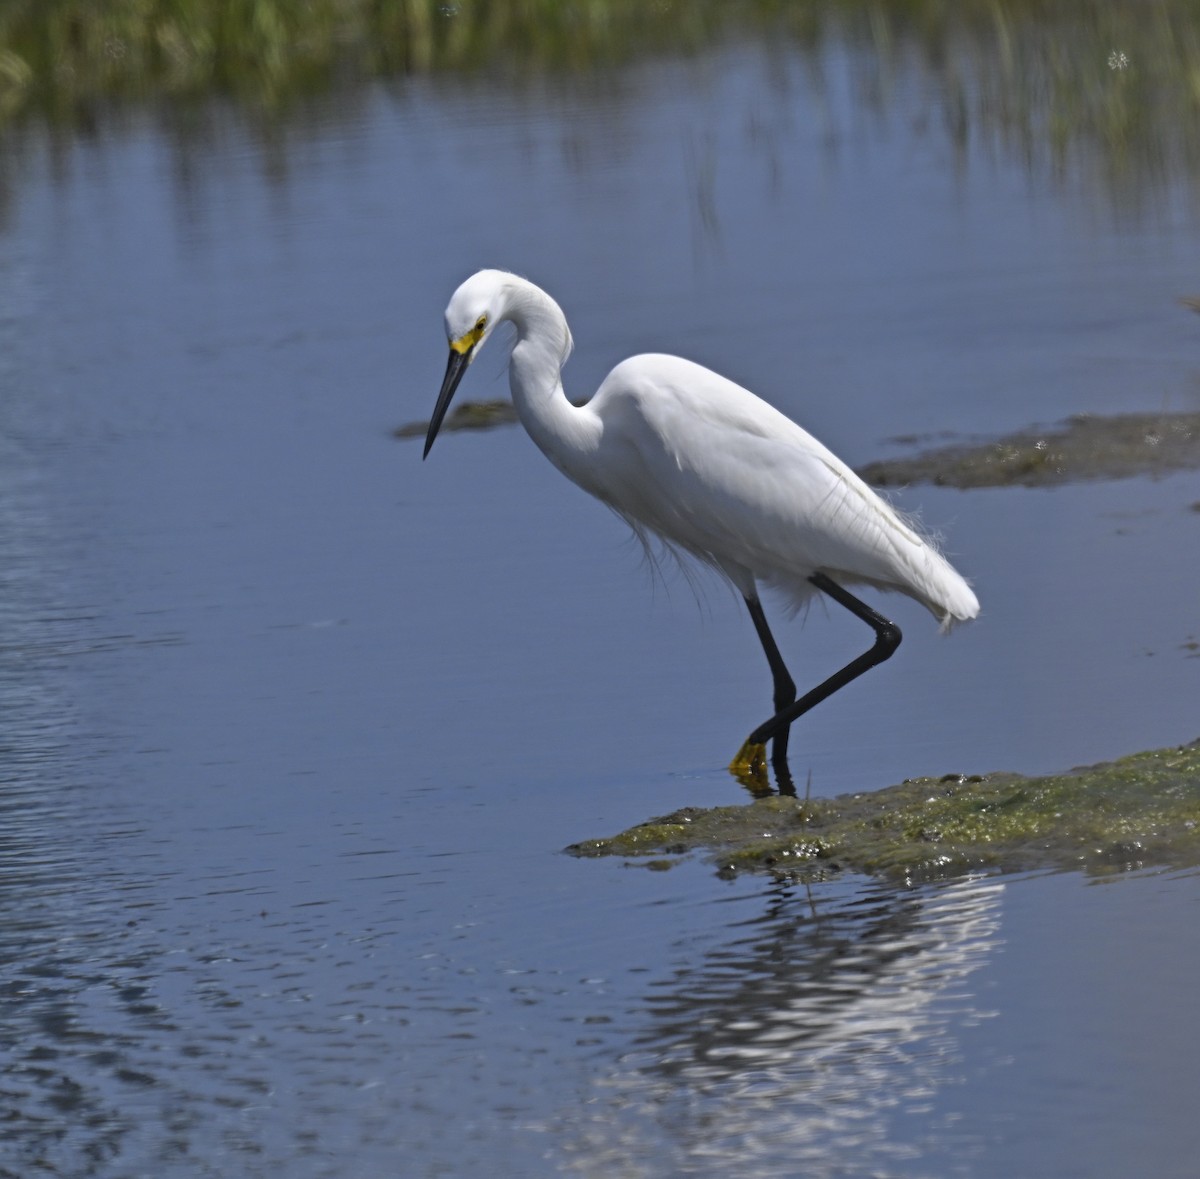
{"x": 296, "y": 725}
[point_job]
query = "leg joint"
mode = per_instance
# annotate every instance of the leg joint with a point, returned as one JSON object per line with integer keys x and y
{"x": 887, "y": 638}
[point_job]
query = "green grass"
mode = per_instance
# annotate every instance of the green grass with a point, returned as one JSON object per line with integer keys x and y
{"x": 56, "y": 55}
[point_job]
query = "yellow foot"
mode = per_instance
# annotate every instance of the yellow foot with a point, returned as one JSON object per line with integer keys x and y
{"x": 750, "y": 768}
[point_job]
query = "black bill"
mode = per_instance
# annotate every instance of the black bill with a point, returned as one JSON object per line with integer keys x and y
{"x": 454, "y": 373}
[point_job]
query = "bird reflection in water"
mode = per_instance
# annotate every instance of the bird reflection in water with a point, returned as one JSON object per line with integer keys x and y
{"x": 803, "y": 1040}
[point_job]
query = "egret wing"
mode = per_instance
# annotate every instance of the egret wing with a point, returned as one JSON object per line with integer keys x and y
{"x": 718, "y": 471}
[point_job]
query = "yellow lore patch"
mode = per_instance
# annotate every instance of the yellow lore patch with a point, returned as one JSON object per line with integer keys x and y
{"x": 468, "y": 340}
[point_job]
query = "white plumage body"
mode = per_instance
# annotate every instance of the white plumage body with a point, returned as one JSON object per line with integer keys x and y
{"x": 715, "y": 470}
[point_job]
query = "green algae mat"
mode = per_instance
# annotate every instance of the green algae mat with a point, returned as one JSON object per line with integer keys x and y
{"x": 1141, "y": 811}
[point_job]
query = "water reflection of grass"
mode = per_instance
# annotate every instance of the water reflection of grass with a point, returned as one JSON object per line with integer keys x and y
{"x": 1040, "y": 76}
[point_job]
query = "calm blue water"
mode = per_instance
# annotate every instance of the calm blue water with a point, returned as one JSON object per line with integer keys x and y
{"x": 296, "y": 725}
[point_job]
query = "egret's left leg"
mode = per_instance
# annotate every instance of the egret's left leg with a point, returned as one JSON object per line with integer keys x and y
{"x": 785, "y": 686}
{"x": 751, "y": 758}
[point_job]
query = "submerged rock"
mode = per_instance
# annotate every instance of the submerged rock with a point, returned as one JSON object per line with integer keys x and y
{"x": 1141, "y": 811}
{"x": 468, "y": 415}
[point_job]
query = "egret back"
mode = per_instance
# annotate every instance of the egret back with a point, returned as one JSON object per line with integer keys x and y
{"x": 718, "y": 472}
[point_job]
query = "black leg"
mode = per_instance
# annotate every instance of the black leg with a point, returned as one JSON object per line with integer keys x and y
{"x": 785, "y": 686}
{"x": 887, "y": 639}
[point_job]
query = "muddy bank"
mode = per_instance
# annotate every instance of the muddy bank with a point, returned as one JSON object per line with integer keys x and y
{"x": 1081, "y": 448}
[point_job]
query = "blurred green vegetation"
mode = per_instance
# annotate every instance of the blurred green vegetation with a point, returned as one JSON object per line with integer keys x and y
{"x": 1042, "y": 77}
{"x": 57, "y": 55}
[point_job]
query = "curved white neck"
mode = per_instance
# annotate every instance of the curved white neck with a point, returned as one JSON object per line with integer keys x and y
{"x": 565, "y": 433}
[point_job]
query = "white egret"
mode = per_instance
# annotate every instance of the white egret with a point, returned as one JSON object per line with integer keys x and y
{"x": 685, "y": 454}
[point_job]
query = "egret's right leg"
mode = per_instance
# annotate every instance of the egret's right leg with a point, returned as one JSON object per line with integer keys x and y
{"x": 750, "y": 763}
{"x": 887, "y": 639}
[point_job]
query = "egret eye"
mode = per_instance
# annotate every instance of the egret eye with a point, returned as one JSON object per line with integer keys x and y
{"x": 481, "y": 323}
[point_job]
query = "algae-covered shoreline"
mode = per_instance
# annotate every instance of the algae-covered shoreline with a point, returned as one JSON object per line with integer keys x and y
{"x": 1140, "y": 811}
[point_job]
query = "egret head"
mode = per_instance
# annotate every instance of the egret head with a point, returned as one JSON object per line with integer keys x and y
{"x": 471, "y": 315}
